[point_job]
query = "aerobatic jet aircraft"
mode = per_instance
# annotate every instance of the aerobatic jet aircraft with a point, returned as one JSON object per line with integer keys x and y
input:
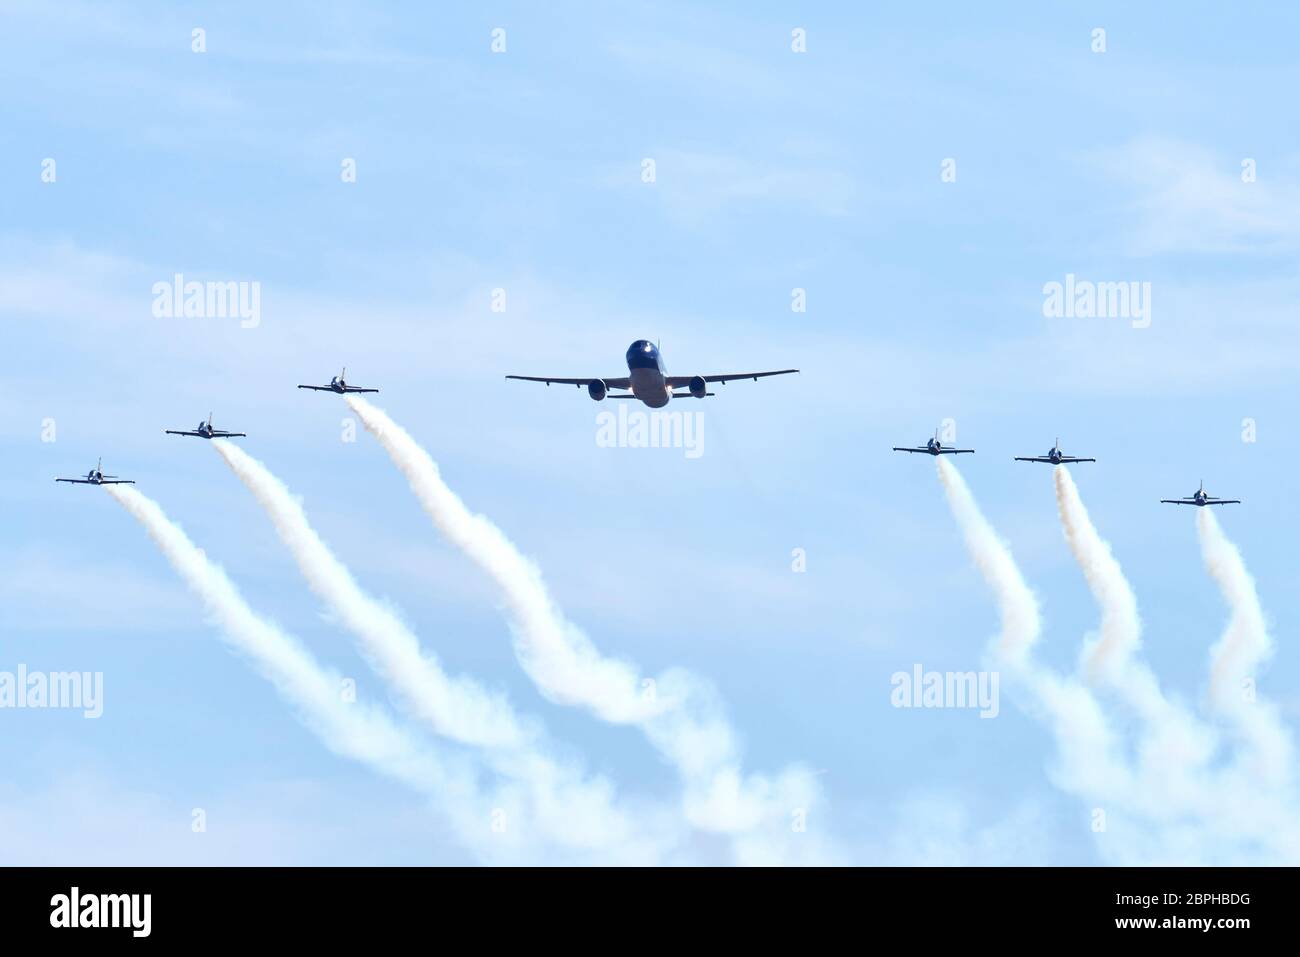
{"x": 1200, "y": 498}
{"x": 206, "y": 431}
{"x": 649, "y": 381}
{"x": 1054, "y": 456}
{"x": 338, "y": 385}
{"x": 96, "y": 476}
{"x": 933, "y": 447}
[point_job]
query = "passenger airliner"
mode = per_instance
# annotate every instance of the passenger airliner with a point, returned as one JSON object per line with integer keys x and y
{"x": 649, "y": 381}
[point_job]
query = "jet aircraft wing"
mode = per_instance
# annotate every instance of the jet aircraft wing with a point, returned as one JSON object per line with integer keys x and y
{"x": 681, "y": 381}
{"x": 618, "y": 382}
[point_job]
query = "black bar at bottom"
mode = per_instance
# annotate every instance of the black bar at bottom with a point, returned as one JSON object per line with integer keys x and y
{"x": 554, "y": 908}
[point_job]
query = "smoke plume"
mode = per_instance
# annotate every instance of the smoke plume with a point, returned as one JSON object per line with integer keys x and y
{"x": 500, "y": 826}
{"x": 678, "y": 712}
{"x": 569, "y": 807}
{"x": 1235, "y": 661}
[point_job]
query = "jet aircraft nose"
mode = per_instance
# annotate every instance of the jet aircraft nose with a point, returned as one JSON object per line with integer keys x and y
{"x": 642, "y": 354}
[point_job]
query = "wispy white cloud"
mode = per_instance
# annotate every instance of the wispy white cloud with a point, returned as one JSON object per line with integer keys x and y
{"x": 1184, "y": 198}
{"x": 84, "y": 815}
{"x": 36, "y": 583}
{"x": 695, "y": 185}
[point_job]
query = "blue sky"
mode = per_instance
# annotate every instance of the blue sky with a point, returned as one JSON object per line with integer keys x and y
{"x": 521, "y": 171}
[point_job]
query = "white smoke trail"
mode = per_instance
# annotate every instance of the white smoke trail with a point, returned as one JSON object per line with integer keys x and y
{"x": 1111, "y": 655}
{"x": 569, "y": 808}
{"x": 353, "y": 730}
{"x": 1090, "y": 763}
{"x": 1168, "y": 810}
{"x": 1175, "y": 743}
{"x": 559, "y": 657}
{"x": 1244, "y": 648}
{"x": 678, "y": 712}
{"x": 501, "y": 826}
{"x": 1016, "y": 602}
{"x": 457, "y": 708}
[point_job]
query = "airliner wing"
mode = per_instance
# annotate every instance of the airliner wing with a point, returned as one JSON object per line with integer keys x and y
{"x": 616, "y": 383}
{"x": 681, "y": 381}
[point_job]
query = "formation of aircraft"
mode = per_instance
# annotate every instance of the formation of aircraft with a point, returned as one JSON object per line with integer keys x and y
{"x": 338, "y": 385}
{"x": 204, "y": 430}
{"x": 1054, "y": 456}
{"x": 96, "y": 476}
{"x": 934, "y": 447}
{"x": 647, "y": 379}
{"x": 1200, "y": 498}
